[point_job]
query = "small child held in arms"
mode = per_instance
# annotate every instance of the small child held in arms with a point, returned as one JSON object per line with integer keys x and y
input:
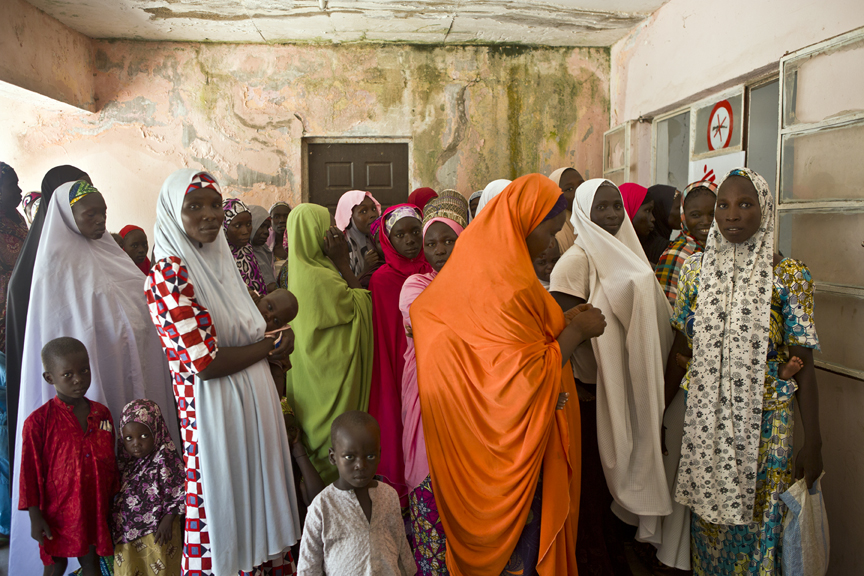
{"x": 278, "y": 308}
{"x": 68, "y": 470}
{"x": 147, "y": 514}
{"x": 355, "y": 525}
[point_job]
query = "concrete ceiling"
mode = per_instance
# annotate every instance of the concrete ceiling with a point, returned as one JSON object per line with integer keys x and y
{"x": 549, "y": 22}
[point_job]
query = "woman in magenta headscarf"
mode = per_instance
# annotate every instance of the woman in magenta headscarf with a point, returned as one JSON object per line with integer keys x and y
{"x": 401, "y": 239}
{"x": 640, "y": 207}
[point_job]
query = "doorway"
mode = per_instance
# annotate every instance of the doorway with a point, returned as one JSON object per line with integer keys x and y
{"x": 380, "y": 168}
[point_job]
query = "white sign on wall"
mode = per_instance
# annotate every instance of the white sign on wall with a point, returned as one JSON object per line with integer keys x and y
{"x": 713, "y": 169}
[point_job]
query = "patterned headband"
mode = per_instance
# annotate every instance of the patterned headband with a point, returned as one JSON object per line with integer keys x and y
{"x": 232, "y": 207}
{"x": 280, "y": 203}
{"x": 30, "y": 198}
{"x": 398, "y": 214}
{"x": 203, "y": 180}
{"x": 79, "y": 190}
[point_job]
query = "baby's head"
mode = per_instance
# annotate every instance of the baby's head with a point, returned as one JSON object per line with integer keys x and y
{"x": 356, "y": 449}
{"x": 278, "y": 308}
{"x": 544, "y": 263}
{"x": 67, "y": 368}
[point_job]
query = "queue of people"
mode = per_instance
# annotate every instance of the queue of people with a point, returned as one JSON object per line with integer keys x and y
{"x": 529, "y": 379}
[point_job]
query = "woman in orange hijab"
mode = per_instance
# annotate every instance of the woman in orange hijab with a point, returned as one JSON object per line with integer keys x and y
{"x": 492, "y": 347}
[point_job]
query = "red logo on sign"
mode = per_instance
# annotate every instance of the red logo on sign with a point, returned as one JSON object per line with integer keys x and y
{"x": 720, "y": 126}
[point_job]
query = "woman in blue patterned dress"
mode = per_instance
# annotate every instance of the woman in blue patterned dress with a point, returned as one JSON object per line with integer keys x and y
{"x": 754, "y": 315}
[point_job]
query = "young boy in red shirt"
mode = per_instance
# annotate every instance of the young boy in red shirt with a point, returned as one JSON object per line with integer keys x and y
{"x": 68, "y": 468}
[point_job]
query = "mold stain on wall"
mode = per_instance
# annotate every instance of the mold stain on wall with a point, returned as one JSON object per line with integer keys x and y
{"x": 473, "y": 113}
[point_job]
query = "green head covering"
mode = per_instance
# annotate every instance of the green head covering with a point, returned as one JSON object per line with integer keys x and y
{"x": 332, "y": 364}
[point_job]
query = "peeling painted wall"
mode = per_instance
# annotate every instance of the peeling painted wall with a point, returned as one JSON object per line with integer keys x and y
{"x": 43, "y": 55}
{"x": 473, "y": 113}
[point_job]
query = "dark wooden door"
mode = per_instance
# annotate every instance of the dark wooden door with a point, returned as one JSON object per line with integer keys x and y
{"x": 381, "y": 169}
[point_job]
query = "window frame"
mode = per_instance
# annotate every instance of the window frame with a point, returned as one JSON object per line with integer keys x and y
{"x": 806, "y": 206}
{"x": 626, "y": 127}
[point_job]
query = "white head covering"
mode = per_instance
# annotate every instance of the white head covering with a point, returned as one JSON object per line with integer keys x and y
{"x": 631, "y": 357}
{"x": 243, "y": 450}
{"x": 89, "y": 290}
{"x": 492, "y": 190}
{"x": 727, "y": 382}
{"x": 476, "y": 195}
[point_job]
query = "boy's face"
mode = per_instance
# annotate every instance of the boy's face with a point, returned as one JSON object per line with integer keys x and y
{"x": 69, "y": 374}
{"x": 278, "y": 308}
{"x": 355, "y": 454}
{"x": 137, "y": 439}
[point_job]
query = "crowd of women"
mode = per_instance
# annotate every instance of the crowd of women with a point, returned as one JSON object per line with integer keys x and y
{"x": 560, "y": 368}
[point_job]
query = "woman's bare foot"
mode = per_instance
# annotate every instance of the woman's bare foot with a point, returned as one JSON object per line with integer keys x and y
{"x": 682, "y": 361}
{"x": 790, "y": 368}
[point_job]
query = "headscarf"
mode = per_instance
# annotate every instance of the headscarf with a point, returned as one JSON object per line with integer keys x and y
{"x": 476, "y": 195}
{"x": 490, "y": 371}
{"x": 421, "y": 196}
{"x": 490, "y": 191}
{"x": 263, "y": 254}
{"x": 633, "y": 196}
{"x": 88, "y": 289}
{"x": 385, "y": 397}
{"x": 631, "y": 358}
{"x": 145, "y": 265}
{"x": 30, "y": 205}
{"x": 676, "y": 254}
{"x": 659, "y": 238}
{"x": 346, "y": 204}
{"x": 332, "y": 337}
{"x": 245, "y": 459}
{"x": 566, "y": 236}
{"x": 451, "y": 208}
{"x": 246, "y": 261}
{"x": 271, "y": 238}
{"x": 359, "y": 242}
{"x": 722, "y": 423}
{"x": 152, "y": 486}
{"x": 18, "y": 294}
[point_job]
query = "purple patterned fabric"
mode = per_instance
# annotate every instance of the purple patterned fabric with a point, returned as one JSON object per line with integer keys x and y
{"x": 244, "y": 257}
{"x": 152, "y": 486}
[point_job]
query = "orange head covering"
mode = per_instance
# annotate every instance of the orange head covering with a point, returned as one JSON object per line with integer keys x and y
{"x": 489, "y": 374}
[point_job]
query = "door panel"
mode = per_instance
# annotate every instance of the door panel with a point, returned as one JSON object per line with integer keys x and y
{"x": 381, "y": 169}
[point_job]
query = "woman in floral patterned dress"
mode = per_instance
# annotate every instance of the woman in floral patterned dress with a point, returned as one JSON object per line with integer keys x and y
{"x": 743, "y": 310}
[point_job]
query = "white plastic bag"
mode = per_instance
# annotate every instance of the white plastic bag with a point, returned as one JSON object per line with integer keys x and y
{"x": 805, "y": 531}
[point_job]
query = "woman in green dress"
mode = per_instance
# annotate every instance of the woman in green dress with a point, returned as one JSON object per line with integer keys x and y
{"x": 332, "y": 360}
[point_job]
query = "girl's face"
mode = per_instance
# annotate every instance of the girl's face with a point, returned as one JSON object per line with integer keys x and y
{"x": 90, "y": 214}
{"x": 570, "y": 181}
{"x": 202, "y": 215}
{"x": 544, "y": 263}
{"x": 406, "y": 236}
{"x": 135, "y": 245}
{"x": 738, "y": 213}
{"x": 643, "y": 221}
{"x": 137, "y": 439}
{"x": 539, "y": 238}
{"x": 261, "y": 234}
{"x": 438, "y": 244}
{"x": 472, "y": 206}
{"x": 280, "y": 217}
{"x": 239, "y": 230}
{"x": 363, "y": 214}
{"x": 699, "y": 213}
{"x": 607, "y": 210}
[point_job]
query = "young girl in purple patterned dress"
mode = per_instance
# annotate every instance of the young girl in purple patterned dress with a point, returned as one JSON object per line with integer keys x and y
{"x": 146, "y": 519}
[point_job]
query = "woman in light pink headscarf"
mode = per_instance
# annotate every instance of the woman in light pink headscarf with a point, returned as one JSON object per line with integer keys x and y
{"x": 354, "y": 214}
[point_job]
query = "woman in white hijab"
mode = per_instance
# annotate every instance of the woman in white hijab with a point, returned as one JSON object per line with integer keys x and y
{"x": 607, "y": 268}
{"x": 85, "y": 286}
{"x": 492, "y": 189}
{"x": 238, "y": 464}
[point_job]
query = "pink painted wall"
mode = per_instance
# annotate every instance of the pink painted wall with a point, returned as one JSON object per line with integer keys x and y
{"x": 43, "y": 55}
{"x": 691, "y": 45}
{"x": 473, "y": 114}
